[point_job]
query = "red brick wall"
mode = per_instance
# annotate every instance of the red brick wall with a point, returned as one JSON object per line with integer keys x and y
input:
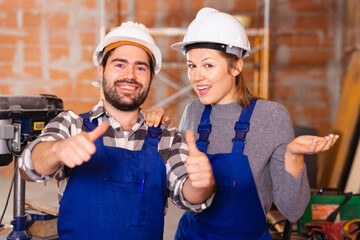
{"x": 303, "y": 34}
{"x": 47, "y": 46}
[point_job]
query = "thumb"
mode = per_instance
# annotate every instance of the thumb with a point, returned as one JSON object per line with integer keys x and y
{"x": 190, "y": 140}
{"x": 98, "y": 131}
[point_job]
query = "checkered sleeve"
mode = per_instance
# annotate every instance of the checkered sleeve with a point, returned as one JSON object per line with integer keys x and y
{"x": 63, "y": 126}
{"x": 174, "y": 153}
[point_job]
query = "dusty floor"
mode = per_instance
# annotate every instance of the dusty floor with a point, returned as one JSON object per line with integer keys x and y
{"x": 47, "y": 194}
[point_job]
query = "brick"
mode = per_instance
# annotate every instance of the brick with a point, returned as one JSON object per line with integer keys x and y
{"x": 57, "y": 74}
{"x": 282, "y": 93}
{"x": 33, "y": 71}
{"x": 86, "y": 74}
{"x": 245, "y": 6}
{"x": 63, "y": 89}
{"x": 173, "y": 6}
{"x": 8, "y": 19}
{"x": 57, "y": 20}
{"x": 32, "y": 19}
{"x": 195, "y": 6}
{"x": 7, "y": 53}
{"x": 323, "y": 126}
{"x": 302, "y": 56}
{"x": 318, "y": 93}
{"x": 36, "y": 89}
{"x": 78, "y": 105}
{"x": 87, "y": 54}
{"x": 6, "y": 70}
{"x": 88, "y": 39}
{"x": 148, "y": 19}
{"x": 5, "y": 89}
{"x": 293, "y": 21}
{"x": 311, "y": 74}
{"x": 88, "y": 21}
{"x": 123, "y": 5}
{"x": 146, "y": 5}
{"x": 20, "y": 4}
{"x": 32, "y": 54}
{"x": 90, "y": 4}
{"x": 57, "y": 53}
{"x": 310, "y": 56}
{"x": 310, "y": 6}
{"x": 300, "y": 39}
{"x": 173, "y": 20}
{"x": 58, "y": 36}
{"x": 11, "y": 36}
{"x": 87, "y": 90}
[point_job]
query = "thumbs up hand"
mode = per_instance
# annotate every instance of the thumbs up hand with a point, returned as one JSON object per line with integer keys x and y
{"x": 198, "y": 166}
{"x": 76, "y": 150}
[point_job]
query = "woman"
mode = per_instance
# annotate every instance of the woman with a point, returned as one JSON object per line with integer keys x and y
{"x": 257, "y": 163}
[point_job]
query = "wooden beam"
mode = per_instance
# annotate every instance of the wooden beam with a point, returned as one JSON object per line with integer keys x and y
{"x": 332, "y": 171}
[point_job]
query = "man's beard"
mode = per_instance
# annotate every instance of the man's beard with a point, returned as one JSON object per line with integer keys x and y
{"x": 126, "y": 102}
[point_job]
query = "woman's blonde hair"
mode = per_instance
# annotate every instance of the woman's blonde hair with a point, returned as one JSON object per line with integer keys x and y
{"x": 243, "y": 92}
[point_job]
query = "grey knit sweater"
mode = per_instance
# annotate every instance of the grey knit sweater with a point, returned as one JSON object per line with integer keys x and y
{"x": 270, "y": 132}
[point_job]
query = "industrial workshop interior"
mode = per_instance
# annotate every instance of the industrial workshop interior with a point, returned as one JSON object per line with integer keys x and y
{"x": 304, "y": 55}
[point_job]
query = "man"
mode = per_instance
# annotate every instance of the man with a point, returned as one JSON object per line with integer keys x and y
{"x": 118, "y": 172}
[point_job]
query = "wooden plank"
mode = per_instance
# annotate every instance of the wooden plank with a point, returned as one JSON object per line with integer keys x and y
{"x": 44, "y": 228}
{"x": 42, "y": 207}
{"x": 353, "y": 182}
{"x": 331, "y": 172}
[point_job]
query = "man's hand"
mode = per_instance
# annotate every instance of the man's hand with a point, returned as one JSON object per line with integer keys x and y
{"x": 78, "y": 149}
{"x": 201, "y": 181}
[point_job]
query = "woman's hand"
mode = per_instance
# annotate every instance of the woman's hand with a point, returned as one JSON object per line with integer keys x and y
{"x": 155, "y": 116}
{"x": 306, "y": 144}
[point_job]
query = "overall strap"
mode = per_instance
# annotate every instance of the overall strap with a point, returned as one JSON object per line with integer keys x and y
{"x": 86, "y": 121}
{"x": 152, "y": 138}
{"x": 204, "y": 129}
{"x": 242, "y": 127}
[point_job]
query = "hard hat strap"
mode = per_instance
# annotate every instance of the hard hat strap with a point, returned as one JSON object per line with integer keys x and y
{"x": 216, "y": 46}
{"x": 121, "y": 43}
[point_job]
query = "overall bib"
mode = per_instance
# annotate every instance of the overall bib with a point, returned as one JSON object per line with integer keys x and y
{"x": 118, "y": 194}
{"x": 236, "y": 211}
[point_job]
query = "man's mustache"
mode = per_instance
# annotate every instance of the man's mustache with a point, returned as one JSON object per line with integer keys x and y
{"x": 129, "y": 81}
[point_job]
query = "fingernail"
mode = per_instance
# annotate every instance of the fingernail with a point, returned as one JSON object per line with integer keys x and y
{"x": 337, "y": 136}
{"x": 331, "y": 136}
{"x": 155, "y": 125}
{"x": 327, "y": 138}
{"x": 315, "y": 139}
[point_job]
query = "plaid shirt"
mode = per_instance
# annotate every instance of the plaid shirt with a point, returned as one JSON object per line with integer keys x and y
{"x": 172, "y": 149}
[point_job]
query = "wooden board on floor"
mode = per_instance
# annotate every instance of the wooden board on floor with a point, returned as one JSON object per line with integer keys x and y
{"x": 44, "y": 228}
{"x": 42, "y": 207}
{"x": 331, "y": 173}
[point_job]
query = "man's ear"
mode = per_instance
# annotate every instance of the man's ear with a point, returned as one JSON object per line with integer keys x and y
{"x": 100, "y": 71}
{"x": 237, "y": 67}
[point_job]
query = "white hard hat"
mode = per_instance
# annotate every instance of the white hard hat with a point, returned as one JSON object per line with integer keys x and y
{"x": 129, "y": 32}
{"x": 219, "y": 29}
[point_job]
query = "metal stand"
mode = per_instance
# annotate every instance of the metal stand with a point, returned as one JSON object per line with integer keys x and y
{"x": 19, "y": 232}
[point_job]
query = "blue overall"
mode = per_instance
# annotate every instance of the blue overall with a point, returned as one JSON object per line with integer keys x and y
{"x": 118, "y": 194}
{"x": 236, "y": 211}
